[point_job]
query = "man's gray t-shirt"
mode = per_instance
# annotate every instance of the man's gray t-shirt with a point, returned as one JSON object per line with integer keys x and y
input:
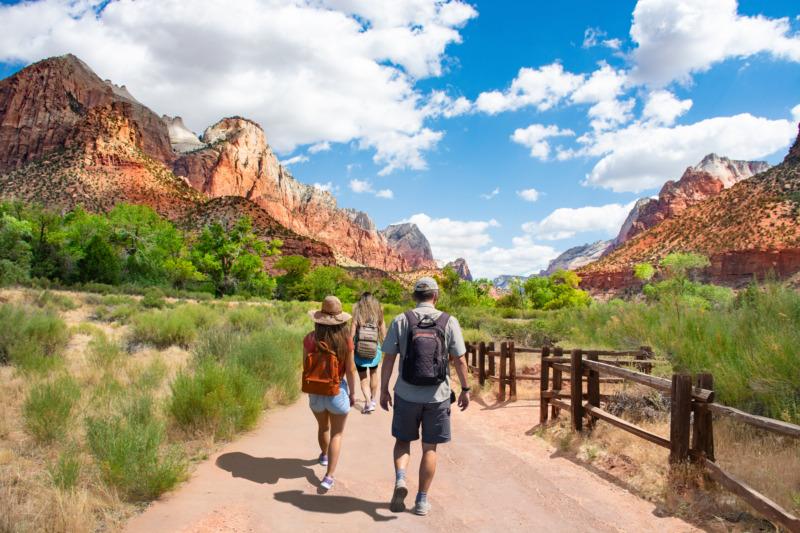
{"x": 395, "y": 343}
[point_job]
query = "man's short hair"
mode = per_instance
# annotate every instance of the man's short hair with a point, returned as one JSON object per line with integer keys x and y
{"x": 424, "y": 296}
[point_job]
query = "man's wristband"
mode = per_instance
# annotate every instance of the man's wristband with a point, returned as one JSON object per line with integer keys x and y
{"x": 466, "y": 389}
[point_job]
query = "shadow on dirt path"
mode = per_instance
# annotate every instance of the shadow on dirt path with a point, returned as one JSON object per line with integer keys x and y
{"x": 333, "y": 504}
{"x": 266, "y": 469}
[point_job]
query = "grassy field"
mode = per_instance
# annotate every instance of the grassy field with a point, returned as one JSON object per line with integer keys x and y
{"x": 109, "y": 399}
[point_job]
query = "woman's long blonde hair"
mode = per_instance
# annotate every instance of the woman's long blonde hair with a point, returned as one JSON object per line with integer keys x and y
{"x": 368, "y": 310}
{"x": 337, "y": 338}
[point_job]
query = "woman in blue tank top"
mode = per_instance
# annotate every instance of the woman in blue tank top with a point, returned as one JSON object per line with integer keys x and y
{"x": 368, "y": 331}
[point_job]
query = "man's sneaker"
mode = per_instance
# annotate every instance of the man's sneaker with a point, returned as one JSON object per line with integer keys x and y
{"x": 421, "y": 508}
{"x": 323, "y": 459}
{"x": 327, "y": 483}
{"x": 398, "y": 504}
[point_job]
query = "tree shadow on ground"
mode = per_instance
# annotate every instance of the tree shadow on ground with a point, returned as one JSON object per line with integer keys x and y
{"x": 266, "y": 469}
{"x": 333, "y": 504}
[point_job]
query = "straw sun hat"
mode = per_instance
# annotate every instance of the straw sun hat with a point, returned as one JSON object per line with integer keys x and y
{"x": 331, "y": 313}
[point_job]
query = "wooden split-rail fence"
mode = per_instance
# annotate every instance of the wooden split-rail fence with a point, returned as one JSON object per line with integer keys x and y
{"x": 692, "y": 406}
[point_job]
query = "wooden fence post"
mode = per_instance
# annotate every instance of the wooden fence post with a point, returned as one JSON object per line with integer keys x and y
{"x": 482, "y": 363}
{"x": 491, "y": 359}
{"x": 680, "y": 418}
{"x": 576, "y": 389}
{"x": 512, "y": 371}
{"x": 593, "y": 387}
{"x": 703, "y": 431}
{"x": 557, "y": 378}
{"x": 503, "y": 375}
{"x": 544, "y": 385}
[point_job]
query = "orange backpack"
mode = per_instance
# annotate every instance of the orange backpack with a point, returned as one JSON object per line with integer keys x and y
{"x": 321, "y": 371}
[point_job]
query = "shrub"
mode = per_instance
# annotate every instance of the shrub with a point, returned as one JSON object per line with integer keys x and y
{"x": 274, "y": 356}
{"x": 248, "y": 318}
{"x": 31, "y": 338}
{"x": 173, "y": 326}
{"x": 130, "y": 451}
{"x": 103, "y": 351}
{"x": 153, "y": 298}
{"x": 48, "y": 407}
{"x": 55, "y": 300}
{"x": 65, "y": 472}
{"x": 218, "y": 398}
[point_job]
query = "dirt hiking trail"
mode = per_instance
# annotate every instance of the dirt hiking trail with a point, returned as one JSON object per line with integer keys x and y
{"x": 487, "y": 480}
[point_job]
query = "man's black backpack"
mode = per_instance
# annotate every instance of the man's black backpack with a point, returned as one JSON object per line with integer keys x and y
{"x": 426, "y": 358}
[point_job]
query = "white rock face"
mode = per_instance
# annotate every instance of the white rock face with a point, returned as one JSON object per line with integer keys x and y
{"x": 182, "y": 138}
{"x": 728, "y": 171}
{"x": 577, "y": 257}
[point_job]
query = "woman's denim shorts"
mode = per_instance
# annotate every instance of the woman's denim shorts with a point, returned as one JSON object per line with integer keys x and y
{"x": 335, "y": 405}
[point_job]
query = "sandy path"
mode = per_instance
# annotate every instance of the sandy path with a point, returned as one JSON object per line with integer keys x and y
{"x": 267, "y": 481}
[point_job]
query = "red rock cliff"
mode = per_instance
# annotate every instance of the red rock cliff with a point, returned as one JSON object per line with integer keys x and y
{"x": 239, "y": 162}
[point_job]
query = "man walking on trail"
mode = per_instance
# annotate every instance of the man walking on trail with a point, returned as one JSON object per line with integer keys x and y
{"x": 427, "y": 340}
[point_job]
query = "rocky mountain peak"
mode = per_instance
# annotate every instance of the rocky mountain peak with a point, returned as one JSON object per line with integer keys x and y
{"x": 181, "y": 138}
{"x": 360, "y": 218}
{"x": 461, "y": 268}
{"x": 728, "y": 171}
{"x": 576, "y": 257}
{"x": 794, "y": 152}
{"x": 407, "y": 239}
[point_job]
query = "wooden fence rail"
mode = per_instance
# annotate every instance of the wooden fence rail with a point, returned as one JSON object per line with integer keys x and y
{"x": 691, "y": 436}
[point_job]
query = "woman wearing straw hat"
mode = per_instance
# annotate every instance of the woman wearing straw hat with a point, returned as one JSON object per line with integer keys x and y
{"x": 330, "y": 338}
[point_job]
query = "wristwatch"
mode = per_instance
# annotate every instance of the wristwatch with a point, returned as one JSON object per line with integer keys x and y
{"x": 466, "y": 389}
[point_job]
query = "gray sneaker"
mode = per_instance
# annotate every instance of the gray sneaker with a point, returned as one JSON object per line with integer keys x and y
{"x": 398, "y": 504}
{"x": 422, "y": 508}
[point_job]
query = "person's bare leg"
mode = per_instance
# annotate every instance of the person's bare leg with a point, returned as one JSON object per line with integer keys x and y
{"x": 335, "y": 446}
{"x": 402, "y": 453}
{"x": 427, "y": 467}
{"x": 323, "y": 431}
{"x": 374, "y": 378}
{"x": 364, "y": 379}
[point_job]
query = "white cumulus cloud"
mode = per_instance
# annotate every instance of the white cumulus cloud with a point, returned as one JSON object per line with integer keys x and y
{"x": 529, "y": 195}
{"x": 365, "y": 186}
{"x": 309, "y": 71}
{"x": 676, "y": 38}
{"x": 542, "y": 88}
{"x": 295, "y": 160}
{"x": 535, "y": 137}
{"x": 642, "y": 156}
{"x": 566, "y": 222}
{"x": 663, "y": 107}
{"x": 319, "y": 147}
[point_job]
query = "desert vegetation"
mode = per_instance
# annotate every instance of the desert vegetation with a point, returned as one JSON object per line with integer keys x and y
{"x": 110, "y": 399}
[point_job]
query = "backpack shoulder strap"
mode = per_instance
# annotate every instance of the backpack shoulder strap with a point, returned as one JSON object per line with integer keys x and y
{"x": 442, "y": 321}
{"x": 411, "y": 318}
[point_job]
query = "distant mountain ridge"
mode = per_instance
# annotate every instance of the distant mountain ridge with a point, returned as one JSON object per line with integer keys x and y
{"x": 68, "y": 138}
{"x": 747, "y": 230}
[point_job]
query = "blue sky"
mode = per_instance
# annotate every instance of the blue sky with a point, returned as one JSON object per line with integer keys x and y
{"x": 426, "y": 99}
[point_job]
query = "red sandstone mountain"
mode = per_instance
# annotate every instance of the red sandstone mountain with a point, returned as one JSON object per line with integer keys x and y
{"x": 68, "y": 138}
{"x": 706, "y": 179}
{"x": 749, "y": 230}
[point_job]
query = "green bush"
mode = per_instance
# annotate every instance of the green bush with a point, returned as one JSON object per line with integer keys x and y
{"x": 218, "y": 398}
{"x": 31, "y": 338}
{"x": 274, "y": 356}
{"x": 54, "y": 300}
{"x": 48, "y": 407}
{"x": 130, "y": 451}
{"x": 169, "y": 327}
{"x": 65, "y": 472}
{"x": 153, "y": 299}
{"x": 247, "y": 318}
{"x": 104, "y": 352}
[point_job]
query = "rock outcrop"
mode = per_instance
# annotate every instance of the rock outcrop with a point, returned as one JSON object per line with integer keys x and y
{"x": 749, "y": 230}
{"x": 576, "y": 257}
{"x": 409, "y": 241}
{"x": 461, "y": 268}
{"x": 706, "y": 179}
{"x": 42, "y": 104}
{"x": 238, "y": 162}
{"x": 181, "y": 138}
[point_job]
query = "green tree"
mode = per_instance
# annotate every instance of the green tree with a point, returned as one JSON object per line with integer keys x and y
{"x": 322, "y": 281}
{"x": 15, "y": 249}
{"x": 146, "y": 240}
{"x": 232, "y": 258}
{"x": 392, "y": 292}
{"x": 559, "y": 290}
{"x": 295, "y": 268}
{"x": 644, "y": 271}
